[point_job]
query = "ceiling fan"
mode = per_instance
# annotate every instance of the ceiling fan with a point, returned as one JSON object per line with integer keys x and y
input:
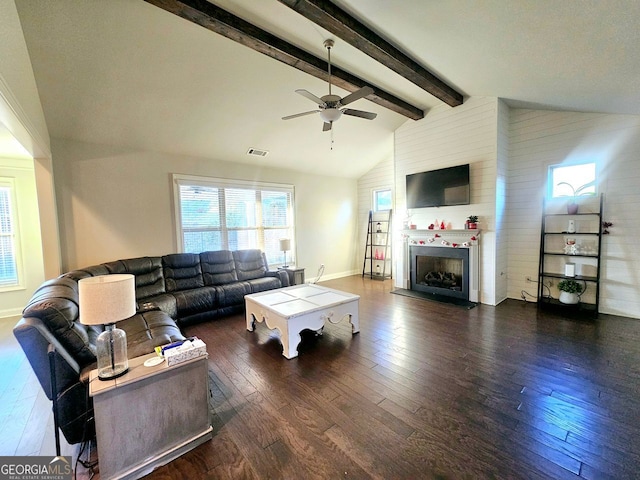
{"x": 330, "y": 106}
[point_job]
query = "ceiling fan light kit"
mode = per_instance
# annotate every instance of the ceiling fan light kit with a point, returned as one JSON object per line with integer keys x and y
{"x": 330, "y": 107}
{"x": 330, "y": 114}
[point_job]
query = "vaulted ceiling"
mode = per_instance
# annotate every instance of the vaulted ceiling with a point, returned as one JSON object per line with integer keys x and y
{"x": 128, "y": 73}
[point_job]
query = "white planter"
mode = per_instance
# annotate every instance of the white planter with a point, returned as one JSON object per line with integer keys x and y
{"x": 569, "y": 298}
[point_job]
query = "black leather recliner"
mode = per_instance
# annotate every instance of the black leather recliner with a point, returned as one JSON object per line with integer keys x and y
{"x": 171, "y": 291}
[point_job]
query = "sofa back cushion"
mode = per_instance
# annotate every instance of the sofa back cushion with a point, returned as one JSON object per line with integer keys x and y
{"x": 182, "y": 271}
{"x": 148, "y": 272}
{"x": 55, "y": 303}
{"x": 250, "y": 264}
{"x": 92, "y": 271}
{"x": 218, "y": 268}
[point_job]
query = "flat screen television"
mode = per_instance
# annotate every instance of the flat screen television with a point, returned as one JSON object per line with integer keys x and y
{"x": 439, "y": 188}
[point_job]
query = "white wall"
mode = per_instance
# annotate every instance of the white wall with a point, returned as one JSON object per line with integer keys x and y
{"x": 30, "y": 267}
{"x": 17, "y": 83}
{"x": 116, "y": 203}
{"x": 542, "y": 138}
{"x": 21, "y": 114}
{"x": 447, "y": 137}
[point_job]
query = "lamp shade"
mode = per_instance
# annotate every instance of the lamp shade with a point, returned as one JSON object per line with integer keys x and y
{"x": 285, "y": 244}
{"x": 106, "y": 299}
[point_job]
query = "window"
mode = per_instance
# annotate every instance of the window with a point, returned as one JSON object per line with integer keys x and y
{"x": 8, "y": 236}
{"x": 219, "y": 214}
{"x": 382, "y": 200}
{"x": 572, "y": 180}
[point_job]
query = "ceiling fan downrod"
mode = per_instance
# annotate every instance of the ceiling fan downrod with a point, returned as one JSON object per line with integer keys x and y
{"x": 328, "y": 43}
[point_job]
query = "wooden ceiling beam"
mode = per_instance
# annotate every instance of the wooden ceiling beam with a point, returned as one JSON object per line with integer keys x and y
{"x": 332, "y": 18}
{"x": 214, "y": 18}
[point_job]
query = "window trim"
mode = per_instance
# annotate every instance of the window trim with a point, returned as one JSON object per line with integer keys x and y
{"x": 10, "y": 183}
{"x": 180, "y": 179}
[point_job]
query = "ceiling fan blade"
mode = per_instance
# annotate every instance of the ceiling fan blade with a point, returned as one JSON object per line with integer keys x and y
{"x": 299, "y": 114}
{"x": 359, "y": 113}
{"x": 358, "y": 94}
{"x": 310, "y": 96}
{"x": 327, "y": 126}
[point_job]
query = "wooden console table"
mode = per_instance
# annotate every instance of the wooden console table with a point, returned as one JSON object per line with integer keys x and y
{"x": 150, "y": 416}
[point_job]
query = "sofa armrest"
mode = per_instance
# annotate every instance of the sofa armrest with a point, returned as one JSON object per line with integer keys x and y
{"x": 34, "y": 338}
{"x": 165, "y": 302}
{"x": 280, "y": 274}
{"x": 74, "y": 408}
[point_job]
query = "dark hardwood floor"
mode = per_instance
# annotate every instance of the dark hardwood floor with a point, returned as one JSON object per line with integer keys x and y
{"x": 425, "y": 390}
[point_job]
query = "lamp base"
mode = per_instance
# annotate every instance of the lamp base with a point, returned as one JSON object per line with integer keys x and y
{"x": 111, "y": 353}
{"x": 110, "y": 373}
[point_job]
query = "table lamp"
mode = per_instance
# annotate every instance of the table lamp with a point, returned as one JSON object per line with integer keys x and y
{"x": 285, "y": 244}
{"x": 105, "y": 300}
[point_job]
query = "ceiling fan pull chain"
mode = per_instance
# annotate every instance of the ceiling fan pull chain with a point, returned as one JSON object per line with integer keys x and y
{"x": 331, "y": 137}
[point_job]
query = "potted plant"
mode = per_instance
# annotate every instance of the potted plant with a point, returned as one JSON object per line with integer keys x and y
{"x": 572, "y": 206}
{"x": 472, "y": 222}
{"x": 570, "y": 291}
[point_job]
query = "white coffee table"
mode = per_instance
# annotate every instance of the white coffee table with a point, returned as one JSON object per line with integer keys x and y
{"x": 291, "y": 310}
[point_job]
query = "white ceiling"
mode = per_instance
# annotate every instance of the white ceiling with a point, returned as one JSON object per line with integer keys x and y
{"x": 127, "y": 73}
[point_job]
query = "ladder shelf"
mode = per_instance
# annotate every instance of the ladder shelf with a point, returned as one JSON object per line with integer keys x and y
{"x": 377, "y": 253}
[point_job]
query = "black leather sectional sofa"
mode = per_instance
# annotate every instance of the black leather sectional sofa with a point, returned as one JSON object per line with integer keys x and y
{"x": 171, "y": 291}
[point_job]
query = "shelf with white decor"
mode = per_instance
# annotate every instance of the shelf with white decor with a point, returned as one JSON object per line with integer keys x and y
{"x": 570, "y": 249}
{"x": 377, "y": 254}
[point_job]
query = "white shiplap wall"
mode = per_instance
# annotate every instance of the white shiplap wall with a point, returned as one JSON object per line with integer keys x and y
{"x": 379, "y": 177}
{"x": 502, "y": 233}
{"x": 538, "y": 139}
{"x": 447, "y": 137}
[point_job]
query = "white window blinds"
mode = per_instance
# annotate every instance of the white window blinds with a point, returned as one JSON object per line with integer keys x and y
{"x": 218, "y": 214}
{"x": 8, "y": 254}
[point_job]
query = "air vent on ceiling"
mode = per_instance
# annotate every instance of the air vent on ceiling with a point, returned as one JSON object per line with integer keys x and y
{"x": 257, "y": 153}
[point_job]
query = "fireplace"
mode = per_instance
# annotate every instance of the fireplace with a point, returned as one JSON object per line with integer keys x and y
{"x": 452, "y": 260}
{"x": 440, "y": 270}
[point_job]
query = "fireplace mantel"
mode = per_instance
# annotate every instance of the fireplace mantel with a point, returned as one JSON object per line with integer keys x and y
{"x": 414, "y": 233}
{"x": 467, "y": 239}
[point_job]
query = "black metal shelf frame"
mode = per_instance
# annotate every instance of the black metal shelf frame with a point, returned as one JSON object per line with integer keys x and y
{"x": 545, "y": 301}
{"x": 384, "y": 219}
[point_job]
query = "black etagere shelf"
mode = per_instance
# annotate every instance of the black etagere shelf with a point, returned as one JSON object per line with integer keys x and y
{"x": 550, "y": 264}
{"x": 377, "y": 253}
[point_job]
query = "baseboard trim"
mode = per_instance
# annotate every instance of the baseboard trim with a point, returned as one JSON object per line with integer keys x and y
{"x": 332, "y": 276}
{"x": 11, "y": 314}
